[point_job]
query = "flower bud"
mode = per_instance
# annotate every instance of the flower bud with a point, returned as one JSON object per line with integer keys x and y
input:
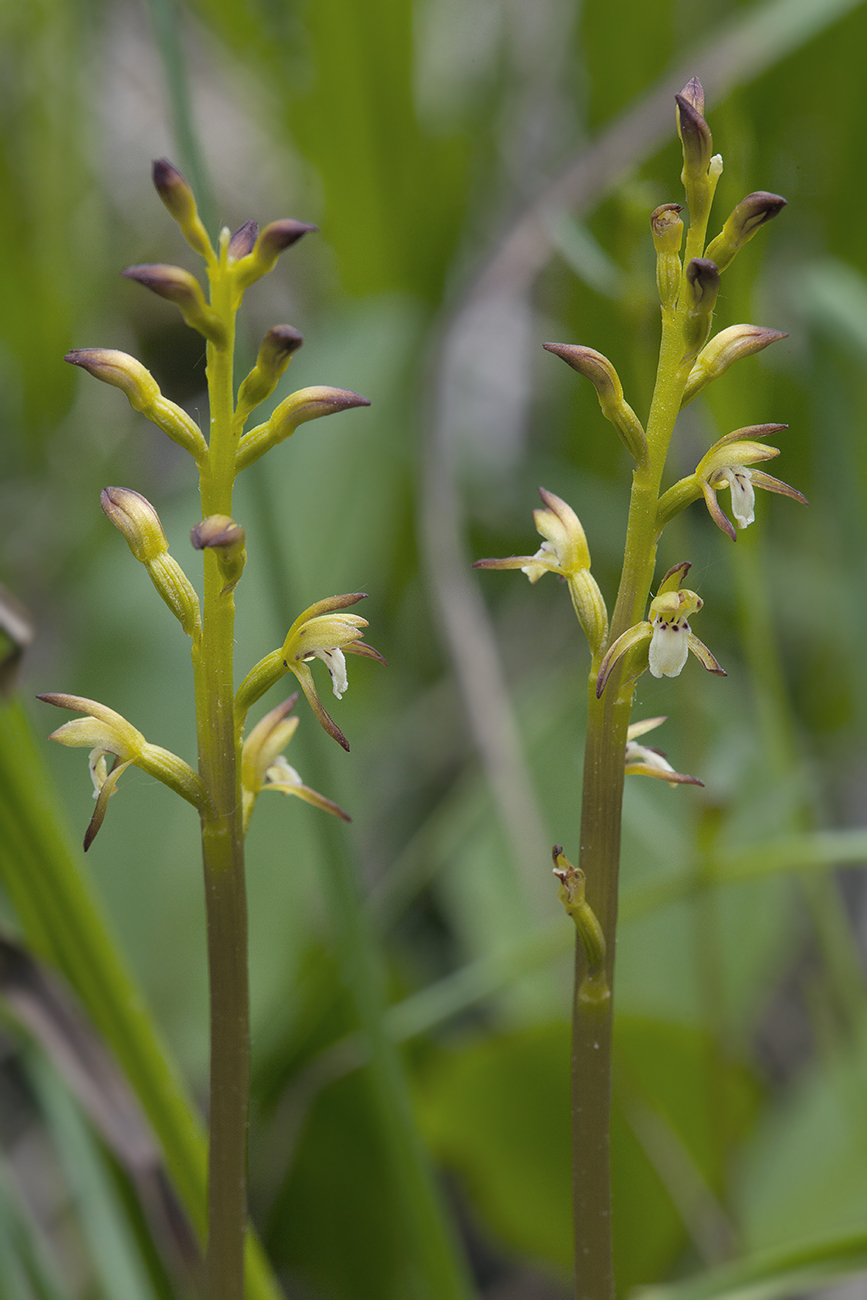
{"x": 306, "y": 404}
{"x": 702, "y": 279}
{"x": 278, "y": 347}
{"x": 243, "y": 240}
{"x": 270, "y": 244}
{"x": 694, "y": 133}
{"x": 667, "y": 230}
{"x": 143, "y": 392}
{"x": 604, "y": 378}
{"x": 134, "y": 516}
{"x": 184, "y": 290}
{"x": 701, "y": 169}
{"x": 218, "y": 531}
{"x": 119, "y": 369}
{"x": 693, "y": 93}
{"x": 180, "y": 201}
{"x": 227, "y": 539}
{"x": 751, "y": 213}
{"x": 722, "y": 351}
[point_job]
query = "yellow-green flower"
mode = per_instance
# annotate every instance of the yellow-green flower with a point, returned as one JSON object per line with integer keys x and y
{"x": 109, "y": 736}
{"x": 564, "y": 551}
{"x": 662, "y": 642}
{"x": 264, "y": 767}
{"x": 324, "y": 631}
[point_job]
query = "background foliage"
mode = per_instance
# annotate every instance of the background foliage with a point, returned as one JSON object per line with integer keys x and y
{"x": 435, "y": 143}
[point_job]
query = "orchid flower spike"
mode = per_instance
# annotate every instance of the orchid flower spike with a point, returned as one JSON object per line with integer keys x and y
{"x": 108, "y": 735}
{"x": 564, "y": 552}
{"x": 662, "y": 642}
{"x": 264, "y": 767}
{"x": 324, "y": 631}
{"x": 643, "y": 761}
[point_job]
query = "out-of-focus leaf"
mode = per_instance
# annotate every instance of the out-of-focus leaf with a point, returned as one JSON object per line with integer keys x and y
{"x": 803, "y": 1174}
{"x": 497, "y": 1110}
{"x": 46, "y": 1007}
{"x": 111, "y": 1247}
{"x": 16, "y": 633}
{"x": 337, "y": 1227}
{"x": 775, "y": 1275}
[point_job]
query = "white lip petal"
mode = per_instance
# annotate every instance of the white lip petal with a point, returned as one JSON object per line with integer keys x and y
{"x": 335, "y": 662}
{"x": 743, "y": 495}
{"x": 668, "y": 647}
{"x": 546, "y": 552}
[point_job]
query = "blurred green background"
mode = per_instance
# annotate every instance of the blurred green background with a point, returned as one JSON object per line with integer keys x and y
{"x": 475, "y": 197}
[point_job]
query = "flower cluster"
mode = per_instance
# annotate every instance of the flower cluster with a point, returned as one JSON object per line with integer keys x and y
{"x": 324, "y": 631}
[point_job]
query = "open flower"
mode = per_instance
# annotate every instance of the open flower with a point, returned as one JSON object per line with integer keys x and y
{"x": 662, "y": 642}
{"x": 324, "y": 631}
{"x": 109, "y": 736}
{"x": 729, "y": 463}
{"x": 643, "y": 761}
{"x": 264, "y": 767}
{"x": 564, "y": 551}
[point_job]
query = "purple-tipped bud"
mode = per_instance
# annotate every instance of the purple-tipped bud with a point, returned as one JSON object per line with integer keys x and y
{"x": 243, "y": 241}
{"x": 723, "y": 350}
{"x": 703, "y": 276}
{"x": 180, "y": 201}
{"x": 219, "y": 532}
{"x": 270, "y": 244}
{"x": 173, "y": 190}
{"x": 178, "y": 286}
{"x": 693, "y": 93}
{"x": 170, "y": 282}
{"x": 134, "y": 517}
{"x": 311, "y": 403}
{"x": 279, "y": 235}
{"x": 120, "y": 370}
{"x": 695, "y": 136}
{"x": 306, "y": 404}
{"x": 278, "y": 347}
{"x": 749, "y": 216}
{"x": 604, "y": 378}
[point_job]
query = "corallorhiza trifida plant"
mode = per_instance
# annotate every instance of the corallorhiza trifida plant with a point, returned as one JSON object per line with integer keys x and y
{"x": 232, "y": 772}
{"x": 640, "y": 637}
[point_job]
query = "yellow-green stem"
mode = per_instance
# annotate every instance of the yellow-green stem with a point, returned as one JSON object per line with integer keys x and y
{"x": 223, "y": 848}
{"x": 607, "y": 723}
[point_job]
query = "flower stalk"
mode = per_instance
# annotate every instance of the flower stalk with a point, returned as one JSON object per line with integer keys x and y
{"x": 230, "y": 775}
{"x": 659, "y": 640}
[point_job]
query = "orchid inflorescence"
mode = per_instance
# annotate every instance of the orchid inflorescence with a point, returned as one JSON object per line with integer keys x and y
{"x": 324, "y": 631}
{"x": 688, "y": 289}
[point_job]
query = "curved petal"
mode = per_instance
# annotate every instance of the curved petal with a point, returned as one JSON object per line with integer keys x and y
{"x": 673, "y": 778}
{"x": 771, "y": 484}
{"x": 308, "y": 686}
{"x": 704, "y": 656}
{"x": 717, "y": 513}
{"x": 309, "y": 796}
{"x": 105, "y": 794}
